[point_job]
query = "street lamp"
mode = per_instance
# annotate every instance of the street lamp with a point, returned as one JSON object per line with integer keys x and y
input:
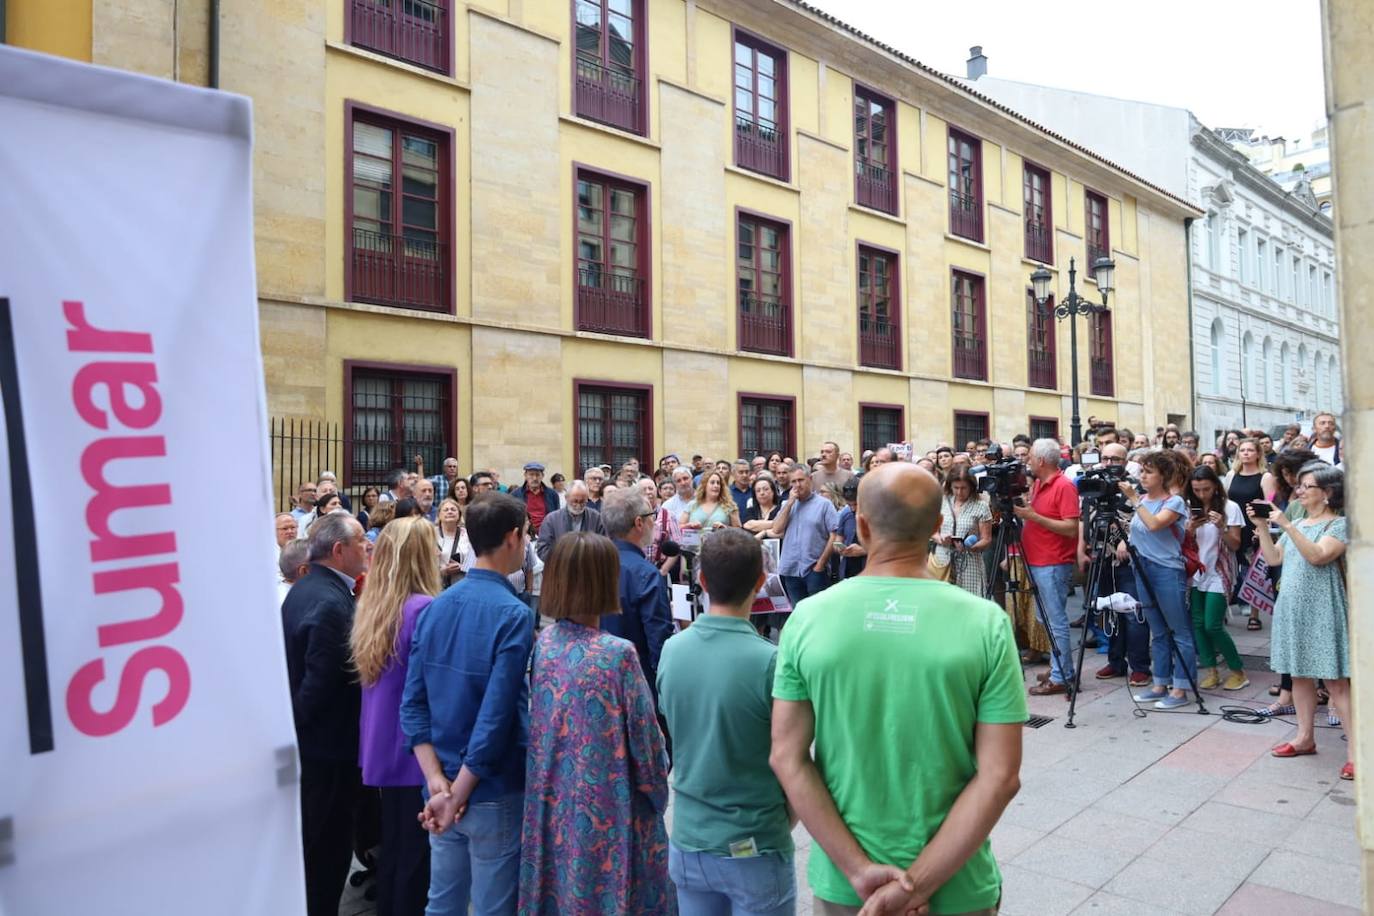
{"x": 1073, "y": 305}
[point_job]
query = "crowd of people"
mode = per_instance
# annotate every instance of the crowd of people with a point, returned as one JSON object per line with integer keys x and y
{"x": 491, "y": 691}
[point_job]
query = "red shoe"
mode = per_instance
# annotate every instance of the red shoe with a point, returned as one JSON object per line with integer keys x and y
{"x": 1107, "y": 673}
{"x": 1288, "y": 750}
{"x": 1139, "y": 679}
{"x": 1348, "y": 771}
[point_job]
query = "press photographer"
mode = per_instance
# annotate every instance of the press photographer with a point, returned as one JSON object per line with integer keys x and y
{"x": 1050, "y": 546}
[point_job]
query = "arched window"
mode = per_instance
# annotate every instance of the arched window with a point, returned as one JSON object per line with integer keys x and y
{"x": 1247, "y": 376}
{"x": 1318, "y": 382}
{"x": 1333, "y": 384}
{"x": 1218, "y": 359}
{"x": 1286, "y": 374}
{"x": 1301, "y": 378}
{"x": 1262, "y": 376}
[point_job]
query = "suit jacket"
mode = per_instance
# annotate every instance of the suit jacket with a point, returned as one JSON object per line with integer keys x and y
{"x": 317, "y": 617}
{"x": 557, "y": 524}
{"x": 646, "y": 614}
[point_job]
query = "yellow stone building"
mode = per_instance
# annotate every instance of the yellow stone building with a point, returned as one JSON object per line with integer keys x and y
{"x": 575, "y": 230}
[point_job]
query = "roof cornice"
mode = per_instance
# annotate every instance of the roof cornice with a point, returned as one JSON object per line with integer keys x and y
{"x": 1208, "y": 142}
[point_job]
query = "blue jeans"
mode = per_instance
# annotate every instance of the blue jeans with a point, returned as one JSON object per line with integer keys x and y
{"x": 709, "y": 885}
{"x": 1130, "y": 644}
{"x": 1170, "y": 588}
{"x": 799, "y": 587}
{"x": 477, "y": 860}
{"x": 1052, "y": 583}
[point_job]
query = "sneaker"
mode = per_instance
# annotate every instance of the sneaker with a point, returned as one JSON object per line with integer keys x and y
{"x": 1210, "y": 681}
{"x": 1170, "y": 701}
{"x": 1236, "y": 681}
{"x": 1140, "y": 679}
{"x": 1108, "y": 672}
{"x": 1149, "y": 696}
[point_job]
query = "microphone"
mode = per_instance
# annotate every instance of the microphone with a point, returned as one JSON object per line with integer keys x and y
{"x": 670, "y": 548}
{"x": 971, "y": 540}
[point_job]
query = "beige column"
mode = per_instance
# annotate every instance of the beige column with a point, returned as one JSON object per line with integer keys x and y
{"x": 1347, "y": 36}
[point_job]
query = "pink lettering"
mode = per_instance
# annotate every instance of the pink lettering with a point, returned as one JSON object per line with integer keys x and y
{"x": 161, "y": 579}
{"x": 91, "y": 721}
{"x": 117, "y": 378}
{"x": 85, "y": 338}
{"x": 109, "y": 499}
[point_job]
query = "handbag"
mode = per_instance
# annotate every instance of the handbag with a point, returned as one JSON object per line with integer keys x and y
{"x": 937, "y": 568}
{"x": 1192, "y": 559}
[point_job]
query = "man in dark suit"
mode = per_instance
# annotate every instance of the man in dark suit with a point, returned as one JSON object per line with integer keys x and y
{"x": 575, "y": 516}
{"x": 317, "y": 617}
{"x": 646, "y": 617}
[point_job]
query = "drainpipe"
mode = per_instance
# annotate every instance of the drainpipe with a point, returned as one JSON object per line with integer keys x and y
{"x": 2, "y": 22}
{"x": 214, "y": 43}
{"x": 1192, "y": 335}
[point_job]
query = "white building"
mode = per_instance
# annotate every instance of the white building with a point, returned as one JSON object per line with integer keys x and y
{"x": 1265, "y": 331}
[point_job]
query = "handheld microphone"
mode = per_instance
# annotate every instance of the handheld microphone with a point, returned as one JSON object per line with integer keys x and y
{"x": 670, "y": 549}
{"x": 971, "y": 540}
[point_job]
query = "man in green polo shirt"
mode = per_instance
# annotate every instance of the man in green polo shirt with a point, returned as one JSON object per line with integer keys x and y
{"x": 912, "y": 692}
{"x": 731, "y": 847}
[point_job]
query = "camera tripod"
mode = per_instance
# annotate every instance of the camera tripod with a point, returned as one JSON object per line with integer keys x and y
{"x": 1014, "y": 581}
{"x": 1103, "y": 529}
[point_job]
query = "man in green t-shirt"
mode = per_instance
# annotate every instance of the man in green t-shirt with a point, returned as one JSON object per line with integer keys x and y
{"x": 731, "y": 847}
{"x": 912, "y": 692}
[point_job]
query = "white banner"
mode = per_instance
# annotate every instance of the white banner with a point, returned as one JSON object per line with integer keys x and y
{"x": 147, "y": 751}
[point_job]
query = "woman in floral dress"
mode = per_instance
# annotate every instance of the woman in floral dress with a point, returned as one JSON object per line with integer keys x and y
{"x": 596, "y": 773}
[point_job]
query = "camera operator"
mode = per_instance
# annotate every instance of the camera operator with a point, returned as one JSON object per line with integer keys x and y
{"x": 1157, "y": 532}
{"x": 1128, "y": 647}
{"x": 1050, "y": 545}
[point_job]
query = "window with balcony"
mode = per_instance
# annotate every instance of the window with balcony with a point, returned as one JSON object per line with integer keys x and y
{"x": 763, "y": 275}
{"x": 760, "y": 107}
{"x": 1097, "y": 232}
{"x": 1243, "y": 249}
{"x": 880, "y": 424}
{"x": 1035, "y": 188}
{"x": 398, "y": 220}
{"x": 1262, "y": 265}
{"x": 1295, "y": 287}
{"x": 612, "y": 255}
{"x": 612, "y": 423}
{"x": 1100, "y": 354}
{"x": 880, "y": 341}
{"x": 766, "y": 424}
{"x": 608, "y": 77}
{"x": 969, "y": 322}
{"x": 1278, "y": 289}
{"x": 969, "y": 426}
{"x": 1044, "y": 427}
{"x": 1312, "y": 297}
{"x": 965, "y": 186}
{"x": 415, "y": 31}
{"x": 875, "y": 151}
{"x": 1040, "y": 343}
{"x": 394, "y": 414}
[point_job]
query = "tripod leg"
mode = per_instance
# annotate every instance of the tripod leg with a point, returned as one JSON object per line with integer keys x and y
{"x": 1092, "y": 585}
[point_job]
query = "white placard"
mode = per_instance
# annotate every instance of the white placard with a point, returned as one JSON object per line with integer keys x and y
{"x": 147, "y": 748}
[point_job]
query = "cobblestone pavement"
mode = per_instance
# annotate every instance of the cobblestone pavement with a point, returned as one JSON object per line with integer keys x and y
{"x": 1169, "y": 813}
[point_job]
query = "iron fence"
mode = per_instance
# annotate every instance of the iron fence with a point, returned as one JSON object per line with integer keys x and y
{"x": 304, "y": 448}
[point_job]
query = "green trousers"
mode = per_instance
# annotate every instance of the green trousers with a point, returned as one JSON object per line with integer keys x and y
{"x": 1209, "y": 630}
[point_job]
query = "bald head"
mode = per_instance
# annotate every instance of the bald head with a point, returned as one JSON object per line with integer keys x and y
{"x": 899, "y": 504}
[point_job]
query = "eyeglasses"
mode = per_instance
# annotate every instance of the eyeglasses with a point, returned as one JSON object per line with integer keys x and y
{"x": 650, "y": 514}
{"x": 1302, "y": 486}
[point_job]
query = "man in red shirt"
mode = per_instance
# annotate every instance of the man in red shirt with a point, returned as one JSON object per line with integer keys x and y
{"x": 539, "y": 500}
{"x": 1049, "y": 542}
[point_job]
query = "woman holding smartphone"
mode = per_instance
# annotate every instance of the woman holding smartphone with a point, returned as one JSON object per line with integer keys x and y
{"x": 1216, "y": 523}
{"x": 1311, "y": 636}
{"x": 1245, "y": 484}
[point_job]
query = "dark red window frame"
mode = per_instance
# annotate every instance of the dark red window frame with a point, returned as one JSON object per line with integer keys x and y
{"x": 757, "y": 148}
{"x": 759, "y": 403}
{"x": 1100, "y": 353}
{"x": 1048, "y": 427}
{"x": 763, "y": 325}
{"x": 1096, "y": 229}
{"x": 1038, "y": 212}
{"x": 970, "y": 426}
{"x": 879, "y": 294}
{"x": 610, "y": 91}
{"x": 387, "y": 268}
{"x": 419, "y": 32}
{"x": 607, "y": 301}
{"x": 1041, "y": 345}
{"x": 876, "y": 172}
{"x": 870, "y": 414}
{"x": 642, "y": 394}
{"x": 402, "y": 452}
{"x": 969, "y": 324}
{"x": 965, "y": 185}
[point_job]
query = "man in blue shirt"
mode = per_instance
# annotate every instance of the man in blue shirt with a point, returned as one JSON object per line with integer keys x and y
{"x": 465, "y": 715}
{"x": 805, "y": 524}
{"x": 646, "y": 616}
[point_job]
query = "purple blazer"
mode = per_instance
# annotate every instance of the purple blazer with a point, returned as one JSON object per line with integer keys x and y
{"x": 381, "y": 745}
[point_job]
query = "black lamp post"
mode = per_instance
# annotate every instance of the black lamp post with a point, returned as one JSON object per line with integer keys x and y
{"x": 1070, "y": 307}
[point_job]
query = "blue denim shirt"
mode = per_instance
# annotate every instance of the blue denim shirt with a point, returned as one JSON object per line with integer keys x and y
{"x": 646, "y": 614}
{"x": 466, "y": 691}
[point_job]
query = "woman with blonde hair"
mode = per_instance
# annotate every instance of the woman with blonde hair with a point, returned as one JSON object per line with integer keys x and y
{"x": 455, "y": 553}
{"x": 713, "y": 507}
{"x": 402, "y": 582}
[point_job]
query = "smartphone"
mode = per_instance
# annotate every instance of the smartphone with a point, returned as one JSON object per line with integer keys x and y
{"x": 1198, "y": 512}
{"x": 1262, "y": 509}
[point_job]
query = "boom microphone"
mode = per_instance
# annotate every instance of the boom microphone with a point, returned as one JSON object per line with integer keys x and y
{"x": 670, "y": 549}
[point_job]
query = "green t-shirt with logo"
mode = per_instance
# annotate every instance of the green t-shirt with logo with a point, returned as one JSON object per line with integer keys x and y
{"x": 898, "y": 672}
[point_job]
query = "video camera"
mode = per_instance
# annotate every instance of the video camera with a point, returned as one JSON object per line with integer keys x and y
{"x": 1099, "y": 486}
{"x": 1004, "y": 478}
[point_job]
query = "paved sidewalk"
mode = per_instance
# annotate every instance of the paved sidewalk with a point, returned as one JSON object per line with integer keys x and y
{"x": 1169, "y": 813}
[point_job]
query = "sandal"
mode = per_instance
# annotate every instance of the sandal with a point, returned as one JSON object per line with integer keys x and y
{"x": 1348, "y": 771}
{"x": 1276, "y": 709}
{"x": 1254, "y": 624}
{"x": 1288, "y": 750}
